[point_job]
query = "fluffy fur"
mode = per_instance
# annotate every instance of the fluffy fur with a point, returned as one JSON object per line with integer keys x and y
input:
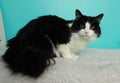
{"x": 31, "y": 51}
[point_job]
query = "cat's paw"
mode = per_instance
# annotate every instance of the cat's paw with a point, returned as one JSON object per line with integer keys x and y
{"x": 75, "y": 57}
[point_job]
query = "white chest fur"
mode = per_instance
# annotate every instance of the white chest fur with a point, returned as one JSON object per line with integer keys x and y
{"x": 77, "y": 42}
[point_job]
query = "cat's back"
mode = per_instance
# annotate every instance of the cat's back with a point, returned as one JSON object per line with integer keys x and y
{"x": 51, "y": 19}
{"x": 43, "y": 23}
{"x": 53, "y": 26}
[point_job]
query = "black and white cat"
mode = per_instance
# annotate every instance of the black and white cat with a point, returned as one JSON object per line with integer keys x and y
{"x": 84, "y": 30}
{"x": 31, "y": 51}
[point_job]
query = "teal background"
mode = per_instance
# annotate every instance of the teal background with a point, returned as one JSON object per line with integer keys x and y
{"x": 16, "y": 13}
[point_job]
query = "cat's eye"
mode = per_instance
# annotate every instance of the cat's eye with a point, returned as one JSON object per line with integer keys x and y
{"x": 82, "y": 26}
{"x": 92, "y": 27}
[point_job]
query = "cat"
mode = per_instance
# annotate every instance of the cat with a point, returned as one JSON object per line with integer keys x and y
{"x": 36, "y": 45}
{"x": 84, "y": 30}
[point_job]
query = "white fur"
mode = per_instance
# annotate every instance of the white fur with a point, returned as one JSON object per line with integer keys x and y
{"x": 90, "y": 36}
{"x": 87, "y": 25}
{"x": 78, "y": 41}
{"x": 70, "y": 25}
{"x": 65, "y": 51}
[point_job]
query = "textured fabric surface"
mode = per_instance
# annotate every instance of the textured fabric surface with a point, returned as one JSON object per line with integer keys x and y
{"x": 94, "y": 66}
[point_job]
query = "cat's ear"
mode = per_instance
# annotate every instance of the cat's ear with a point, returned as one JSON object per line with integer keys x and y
{"x": 78, "y": 14}
{"x": 99, "y": 17}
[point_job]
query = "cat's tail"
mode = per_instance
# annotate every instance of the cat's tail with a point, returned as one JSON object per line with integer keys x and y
{"x": 28, "y": 60}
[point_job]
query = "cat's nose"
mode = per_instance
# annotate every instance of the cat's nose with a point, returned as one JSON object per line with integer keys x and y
{"x": 86, "y": 32}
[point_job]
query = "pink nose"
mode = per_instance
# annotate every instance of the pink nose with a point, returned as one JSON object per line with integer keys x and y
{"x": 86, "y": 32}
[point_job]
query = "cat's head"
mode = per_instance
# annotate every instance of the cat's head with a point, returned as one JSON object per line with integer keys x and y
{"x": 87, "y": 26}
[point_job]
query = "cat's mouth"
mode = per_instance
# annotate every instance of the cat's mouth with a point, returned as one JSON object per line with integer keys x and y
{"x": 89, "y": 38}
{"x": 86, "y": 37}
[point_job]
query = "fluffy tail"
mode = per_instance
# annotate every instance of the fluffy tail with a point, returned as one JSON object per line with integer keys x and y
{"x": 29, "y": 60}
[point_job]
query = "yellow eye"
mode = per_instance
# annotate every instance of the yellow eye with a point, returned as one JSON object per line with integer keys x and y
{"x": 92, "y": 27}
{"x": 82, "y": 26}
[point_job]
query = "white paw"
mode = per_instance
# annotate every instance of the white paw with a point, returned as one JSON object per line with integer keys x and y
{"x": 75, "y": 57}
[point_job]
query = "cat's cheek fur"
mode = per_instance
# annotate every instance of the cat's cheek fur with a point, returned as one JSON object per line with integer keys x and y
{"x": 92, "y": 35}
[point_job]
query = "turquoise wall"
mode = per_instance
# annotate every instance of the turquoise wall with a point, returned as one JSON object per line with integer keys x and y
{"x": 16, "y": 13}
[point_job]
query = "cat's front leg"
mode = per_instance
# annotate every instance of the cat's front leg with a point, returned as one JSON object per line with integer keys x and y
{"x": 65, "y": 52}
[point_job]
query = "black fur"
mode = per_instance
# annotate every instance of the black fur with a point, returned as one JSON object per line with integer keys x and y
{"x": 82, "y": 19}
{"x": 30, "y": 52}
